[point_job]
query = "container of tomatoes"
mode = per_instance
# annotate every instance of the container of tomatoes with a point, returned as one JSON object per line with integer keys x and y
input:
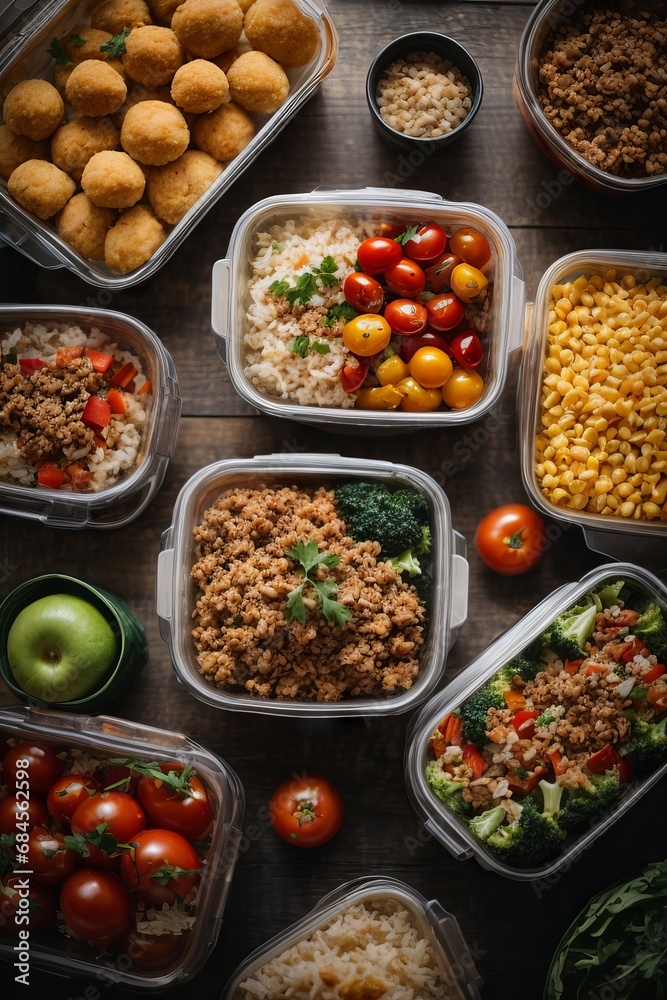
{"x": 118, "y": 844}
{"x": 417, "y": 332}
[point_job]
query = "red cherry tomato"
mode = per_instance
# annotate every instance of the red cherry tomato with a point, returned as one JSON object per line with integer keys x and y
{"x": 405, "y": 278}
{"x": 306, "y": 811}
{"x": 467, "y": 348}
{"x": 96, "y": 906}
{"x": 378, "y": 253}
{"x": 187, "y": 812}
{"x": 410, "y": 345}
{"x": 12, "y": 810}
{"x": 48, "y": 858}
{"x": 427, "y": 243}
{"x": 438, "y": 273}
{"x": 511, "y": 539}
{"x": 363, "y": 292}
{"x": 39, "y": 904}
{"x": 445, "y": 311}
{"x": 405, "y": 316}
{"x": 471, "y": 246}
{"x": 67, "y": 794}
{"x": 121, "y": 813}
{"x": 161, "y": 865}
{"x": 352, "y": 375}
{"x": 148, "y": 951}
{"x": 40, "y": 762}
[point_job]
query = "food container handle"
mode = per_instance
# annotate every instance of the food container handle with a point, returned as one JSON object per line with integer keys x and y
{"x": 625, "y": 547}
{"x": 165, "y": 577}
{"x": 16, "y": 237}
{"x": 220, "y": 304}
{"x": 171, "y": 409}
{"x": 459, "y": 582}
{"x": 106, "y": 725}
{"x": 518, "y": 315}
{"x": 461, "y": 958}
{"x": 387, "y": 194}
{"x": 455, "y": 844}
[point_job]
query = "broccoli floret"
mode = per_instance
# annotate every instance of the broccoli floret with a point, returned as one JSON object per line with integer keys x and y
{"x": 475, "y": 710}
{"x": 607, "y": 596}
{"x": 648, "y": 744}
{"x": 484, "y": 825}
{"x": 425, "y": 544}
{"x": 585, "y": 805}
{"x": 526, "y": 665}
{"x": 534, "y": 838}
{"x": 446, "y": 787}
{"x": 552, "y": 795}
{"x": 652, "y": 630}
{"x": 394, "y": 519}
{"x": 567, "y": 635}
{"x": 407, "y": 562}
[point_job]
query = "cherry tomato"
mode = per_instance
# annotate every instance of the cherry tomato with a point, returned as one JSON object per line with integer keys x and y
{"x": 96, "y": 906}
{"x": 147, "y": 951}
{"x": 409, "y": 345}
{"x": 381, "y": 397}
{"x": 38, "y": 760}
{"x": 445, "y": 311}
{"x": 405, "y": 317}
{"x": 511, "y": 539}
{"x": 366, "y": 335}
{"x": 354, "y": 372}
{"x": 390, "y": 229}
{"x": 471, "y": 246}
{"x": 49, "y": 859}
{"x": 30, "y": 909}
{"x": 392, "y": 370}
{"x": 427, "y": 243}
{"x": 363, "y": 292}
{"x": 121, "y": 813}
{"x": 405, "y": 278}
{"x": 439, "y": 273}
{"x": 462, "y": 389}
{"x": 67, "y": 794}
{"x": 186, "y": 811}
{"x": 417, "y": 399}
{"x": 162, "y": 865}
{"x": 430, "y": 367}
{"x": 467, "y": 349}
{"x": 306, "y": 811}
{"x": 469, "y": 283}
{"x": 378, "y": 253}
{"x": 12, "y": 812}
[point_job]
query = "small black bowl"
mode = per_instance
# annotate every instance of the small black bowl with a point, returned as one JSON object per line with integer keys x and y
{"x": 446, "y": 48}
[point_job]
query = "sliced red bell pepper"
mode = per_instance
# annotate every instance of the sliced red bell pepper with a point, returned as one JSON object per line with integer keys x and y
{"x": 524, "y": 723}
{"x": 144, "y": 387}
{"x": 654, "y": 673}
{"x": 556, "y": 761}
{"x": 100, "y": 361}
{"x": 603, "y": 760}
{"x": 96, "y": 413}
{"x": 637, "y": 646}
{"x": 30, "y": 365}
{"x": 78, "y": 476}
{"x": 50, "y": 475}
{"x": 100, "y": 442}
{"x": 66, "y": 354}
{"x": 524, "y": 785}
{"x": 625, "y": 769}
{"x": 473, "y": 758}
{"x": 125, "y": 375}
{"x": 514, "y": 700}
{"x": 116, "y": 400}
{"x": 657, "y": 695}
{"x": 572, "y": 666}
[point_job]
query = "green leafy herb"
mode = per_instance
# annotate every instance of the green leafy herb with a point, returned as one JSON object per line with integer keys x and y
{"x": 115, "y": 47}
{"x": 77, "y": 41}
{"x": 320, "y": 347}
{"x": 57, "y": 51}
{"x": 166, "y": 873}
{"x": 278, "y": 247}
{"x": 279, "y": 288}
{"x": 357, "y": 266}
{"x": 304, "y": 288}
{"x": 303, "y": 346}
{"x": 305, "y": 284}
{"x": 342, "y": 311}
{"x": 407, "y": 235}
{"x": 309, "y": 556}
{"x": 177, "y": 781}
{"x": 545, "y": 719}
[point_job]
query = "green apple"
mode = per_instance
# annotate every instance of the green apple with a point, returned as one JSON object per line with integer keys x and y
{"x": 60, "y": 647}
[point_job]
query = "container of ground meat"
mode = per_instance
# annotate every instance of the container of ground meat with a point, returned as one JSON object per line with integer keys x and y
{"x": 165, "y": 943}
{"x": 247, "y": 632}
{"x": 590, "y": 85}
{"x": 593, "y": 400}
{"x": 587, "y": 728}
{"x": 405, "y": 947}
{"x": 91, "y": 407}
{"x": 291, "y": 361}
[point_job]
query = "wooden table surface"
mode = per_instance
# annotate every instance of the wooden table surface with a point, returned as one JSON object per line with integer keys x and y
{"x": 511, "y": 927}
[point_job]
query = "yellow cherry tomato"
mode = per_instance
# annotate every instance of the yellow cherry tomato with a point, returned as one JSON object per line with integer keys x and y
{"x": 367, "y": 334}
{"x": 463, "y": 388}
{"x": 469, "y": 283}
{"x": 431, "y": 367}
{"x": 392, "y": 370}
{"x": 383, "y": 397}
{"x": 417, "y": 399}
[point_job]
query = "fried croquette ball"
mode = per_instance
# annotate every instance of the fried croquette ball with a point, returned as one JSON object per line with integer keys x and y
{"x": 224, "y": 132}
{"x": 258, "y": 83}
{"x": 245, "y": 5}
{"x": 112, "y": 179}
{"x": 173, "y": 189}
{"x": 95, "y": 89}
{"x": 40, "y": 187}
{"x": 62, "y": 75}
{"x": 207, "y": 28}
{"x": 83, "y": 42}
{"x": 163, "y": 10}
{"x": 152, "y": 55}
{"x": 154, "y": 133}
{"x": 16, "y": 149}
{"x": 115, "y": 15}
{"x": 84, "y": 226}
{"x": 134, "y": 239}
{"x": 136, "y": 95}
{"x": 33, "y": 108}
{"x": 17, "y": 75}
{"x": 73, "y": 144}
{"x": 278, "y": 28}
{"x": 226, "y": 60}
{"x": 199, "y": 86}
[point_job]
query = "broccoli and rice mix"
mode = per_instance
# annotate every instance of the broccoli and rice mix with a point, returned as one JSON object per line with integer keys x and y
{"x": 543, "y": 749}
{"x": 301, "y": 593}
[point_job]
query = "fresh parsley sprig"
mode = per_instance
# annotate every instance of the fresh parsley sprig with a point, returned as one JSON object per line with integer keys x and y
{"x": 115, "y": 46}
{"x": 306, "y": 284}
{"x": 57, "y": 51}
{"x": 407, "y": 235}
{"x": 309, "y": 556}
{"x": 303, "y": 346}
{"x": 342, "y": 311}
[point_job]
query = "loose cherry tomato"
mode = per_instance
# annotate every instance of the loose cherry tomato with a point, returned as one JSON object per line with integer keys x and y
{"x": 161, "y": 865}
{"x": 462, "y": 389}
{"x": 405, "y": 278}
{"x": 38, "y": 760}
{"x": 306, "y": 811}
{"x": 148, "y": 951}
{"x": 511, "y": 539}
{"x": 96, "y": 906}
{"x": 363, "y": 292}
{"x": 467, "y": 348}
{"x": 405, "y": 316}
{"x": 392, "y": 370}
{"x": 378, "y": 253}
{"x": 32, "y": 908}
{"x": 439, "y": 273}
{"x": 366, "y": 335}
{"x": 430, "y": 367}
{"x": 354, "y": 372}
{"x": 471, "y": 246}
{"x": 122, "y": 818}
{"x": 12, "y": 812}
{"x": 409, "y": 345}
{"x": 427, "y": 243}
{"x": 177, "y": 802}
{"x": 48, "y": 857}
{"x": 67, "y": 794}
{"x": 445, "y": 311}
{"x": 417, "y": 399}
{"x": 469, "y": 283}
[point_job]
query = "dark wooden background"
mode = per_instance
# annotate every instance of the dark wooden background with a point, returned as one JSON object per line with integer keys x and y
{"x": 512, "y": 928}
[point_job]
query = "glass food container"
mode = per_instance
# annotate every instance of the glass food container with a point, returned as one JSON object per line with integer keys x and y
{"x": 230, "y": 298}
{"x": 176, "y": 591}
{"x": 126, "y": 499}
{"x": 37, "y": 239}
{"x": 103, "y": 736}
{"x": 438, "y": 927}
{"x": 448, "y": 828}
{"x": 617, "y": 536}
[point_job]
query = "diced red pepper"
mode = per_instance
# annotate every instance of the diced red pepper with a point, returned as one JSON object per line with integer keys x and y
{"x": 124, "y": 376}
{"x": 78, "y": 476}
{"x": 144, "y": 387}
{"x": 116, "y": 400}
{"x": 625, "y": 769}
{"x": 30, "y": 365}
{"x": 523, "y": 786}
{"x": 597, "y": 668}
{"x": 556, "y": 761}
{"x": 637, "y": 646}
{"x": 572, "y": 666}
{"x": 603, "y": 760}
{"x": 653, "y": 674}
{"x": 474, "y": 759}
{"x": 96, "y": 413}
{"x": 524, "y": 723}
{"x": 657, "y": 695}
{"x": 66, "y": 354}
{"x": 100, "y": 442}
{"x": 99, "y": 360}
{"x": 50, "y": 475}
{"x": 451, "y": 728}
{"x": 514, "y": 700}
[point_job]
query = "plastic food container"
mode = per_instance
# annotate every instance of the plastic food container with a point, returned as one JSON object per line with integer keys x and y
{"x": 39, "y": 240}
{"x": 447, "y": 603}
{"x": 105, "y": 736}
{"x": 437, "y": 926}
{"x": 127, "y": 498}
{"x": 620, "y": 537}
{"x": 230, "y": 298}
{"x": 451, "y": 831}
{"x": 547, "y": 16}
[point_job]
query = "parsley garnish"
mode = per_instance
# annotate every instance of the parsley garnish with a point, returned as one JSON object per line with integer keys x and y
{"x": 278, "y": 247}
{"x": 56, "y": 50}
{"x": 304, "y": 289}
{"x": 310, "y": 557}
{"x": 279, "y": 288}
{"x": 305, "y": 285}
{"x": 303, "y": 345}
{"x": 407, "y": 235}
{"x": 342, "y": 311}
{"x": 116, "y": 46}
{"x": 77, "y": 41}
{"x": 545, "y": 719}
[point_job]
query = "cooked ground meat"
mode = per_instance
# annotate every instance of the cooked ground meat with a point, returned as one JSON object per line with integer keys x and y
{"x": 243, "y": 634}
